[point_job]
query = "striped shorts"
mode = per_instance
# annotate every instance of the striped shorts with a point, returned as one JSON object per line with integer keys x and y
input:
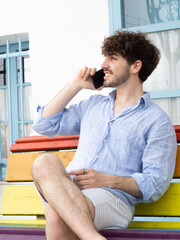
{"x": 110, "y": 211}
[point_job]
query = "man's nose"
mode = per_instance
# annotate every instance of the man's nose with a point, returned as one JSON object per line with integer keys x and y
{"x": 104, "y": 64}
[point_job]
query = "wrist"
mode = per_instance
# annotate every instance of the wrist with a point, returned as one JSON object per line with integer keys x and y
{"x": 109, "y": 181}
{"x": 75, "y": 86}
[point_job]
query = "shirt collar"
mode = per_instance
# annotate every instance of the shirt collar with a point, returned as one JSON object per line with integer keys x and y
{"x": 143, "y": 102}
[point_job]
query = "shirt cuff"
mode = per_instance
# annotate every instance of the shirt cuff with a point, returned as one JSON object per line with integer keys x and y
{"x": 146, "y": 187}
{"x": 40, "y": 110}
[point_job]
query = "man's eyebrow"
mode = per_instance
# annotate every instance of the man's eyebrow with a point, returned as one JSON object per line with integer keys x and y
{"x": 112, "y": 54}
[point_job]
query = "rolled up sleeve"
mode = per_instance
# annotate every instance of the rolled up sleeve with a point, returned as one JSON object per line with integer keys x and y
{"x": 158, "y": 162}
{"x": 66, "y": 122}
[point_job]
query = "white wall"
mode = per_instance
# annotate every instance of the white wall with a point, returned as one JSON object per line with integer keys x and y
{"x": 67, "y": 36}
{"x": 64, "y": 36}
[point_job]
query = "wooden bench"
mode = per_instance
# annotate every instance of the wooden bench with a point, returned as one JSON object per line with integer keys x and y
{"x": 22, "y": 207}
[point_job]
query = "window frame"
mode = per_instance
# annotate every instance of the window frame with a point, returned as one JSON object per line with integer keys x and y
{"x": 10, "y": 52}
{"x": 116, "y": 22}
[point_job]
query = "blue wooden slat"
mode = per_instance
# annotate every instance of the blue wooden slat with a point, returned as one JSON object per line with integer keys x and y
{"x": 116, "y": 17}
{"x": 14, "y": 96}
{"x": 175, "y": 180}
{"x": 9, "y": 98}
{"x": 172, "y": 93}
{"x": 158, "y": 27}
{"x": 3, "y": 87}
{"x": 22, "y": 91}
{"x": 25, "y": 84}
{"x": 26, "y": 121}
{"x": 156, "y": 219}
{"x": 3, "y": 123}
{"x": 15, "y": 54}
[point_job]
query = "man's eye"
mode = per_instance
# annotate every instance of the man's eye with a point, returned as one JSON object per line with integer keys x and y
{"x": 113, "y": 58}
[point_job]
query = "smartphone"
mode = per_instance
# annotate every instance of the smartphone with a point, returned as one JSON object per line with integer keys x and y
{"x": 98, "y": 78}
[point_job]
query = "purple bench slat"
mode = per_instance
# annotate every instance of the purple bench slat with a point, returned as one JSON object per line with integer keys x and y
{"x": 19, "y": 233}
{"x": 140, "y": 234}
{"x": 9, "y": 233}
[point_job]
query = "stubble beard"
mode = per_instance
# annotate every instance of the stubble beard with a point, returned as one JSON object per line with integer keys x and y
{"x": 119, "y": 80}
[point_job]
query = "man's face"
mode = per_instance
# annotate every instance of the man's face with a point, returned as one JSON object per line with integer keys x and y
{"x": 116, "y": 69}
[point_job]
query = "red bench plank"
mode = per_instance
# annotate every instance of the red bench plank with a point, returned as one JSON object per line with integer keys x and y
{"x": 177, "y": 128}
{"x": 178, "y": 137}
{"x": 38, "y": 143}
{"x": 31, "y": 139}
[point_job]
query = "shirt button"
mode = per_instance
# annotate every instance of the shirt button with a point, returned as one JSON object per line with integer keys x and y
{"x": 97, "y": 156}
{"x": 104, "y": 140}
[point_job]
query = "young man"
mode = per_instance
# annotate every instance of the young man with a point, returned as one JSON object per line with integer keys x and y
{"x": 126, "y": 151}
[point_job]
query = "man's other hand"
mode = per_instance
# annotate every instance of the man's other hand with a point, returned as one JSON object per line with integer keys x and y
{"x": 92, "y": 179}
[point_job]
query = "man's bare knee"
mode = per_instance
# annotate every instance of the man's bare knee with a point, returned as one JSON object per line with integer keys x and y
{"x": 43, "y": 163}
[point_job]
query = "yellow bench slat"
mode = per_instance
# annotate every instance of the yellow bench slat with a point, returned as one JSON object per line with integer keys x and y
{"x": 20, "y": 164}
{"x": 154, "y": 225}
{"x": 167, "y": 205}
{"x": 24, "y": 200}
{"x": 23, "y": 223}
{"x": 21, "y": 200}
{"x": 177, "y": 167}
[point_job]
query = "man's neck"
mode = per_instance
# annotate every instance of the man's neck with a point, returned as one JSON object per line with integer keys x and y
{"x": 127, "y": 95}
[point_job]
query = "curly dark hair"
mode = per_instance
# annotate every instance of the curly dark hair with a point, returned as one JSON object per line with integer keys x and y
{"x": 133, "y": 46}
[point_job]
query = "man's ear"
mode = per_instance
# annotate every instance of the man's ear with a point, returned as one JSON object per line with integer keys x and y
{"x": 136, "y": 66}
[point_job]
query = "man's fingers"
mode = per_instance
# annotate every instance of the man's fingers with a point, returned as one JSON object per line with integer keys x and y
{"x": 81, "y": 177}
{"x": 76, "y": 172}
{"x": 83, "y": 71}
{"x": 86, "y": 72}
{"x": 82, "y": 171}
{"x": 84, "y": 184}
{"x": 93, "y": 71}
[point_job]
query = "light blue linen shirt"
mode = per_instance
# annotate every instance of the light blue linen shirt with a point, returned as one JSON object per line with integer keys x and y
{"x": 140, "y": 142}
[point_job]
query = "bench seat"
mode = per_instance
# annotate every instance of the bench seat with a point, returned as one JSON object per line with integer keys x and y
{"x": 21, "y": 199}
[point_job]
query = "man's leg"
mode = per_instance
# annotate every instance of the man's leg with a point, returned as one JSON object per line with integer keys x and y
{"x": 56, "y": 228}
{"x": 64, "y": 197}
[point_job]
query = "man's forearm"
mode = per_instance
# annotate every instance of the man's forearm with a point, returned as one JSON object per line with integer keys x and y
{"x": 126, "y": 184}
{"x": 59, "y": 102}
{"x": 81, "y": 81}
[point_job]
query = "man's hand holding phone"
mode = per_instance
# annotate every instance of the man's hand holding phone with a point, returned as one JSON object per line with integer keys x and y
{"x": 88, "y": 78}
{"x": 98, "y": 79}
